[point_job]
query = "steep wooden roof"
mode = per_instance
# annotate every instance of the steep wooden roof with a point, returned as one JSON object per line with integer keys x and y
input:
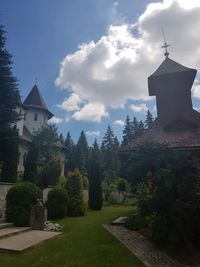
{"x": 35, "y": 100}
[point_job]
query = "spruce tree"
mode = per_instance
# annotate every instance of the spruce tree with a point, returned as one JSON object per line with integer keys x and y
{"x": 95, "y": 176}
{"x": 109, "y": 147}
{"x": 149, "y": 120}
{"x": 61, "y": 139}
{"x": 9, "y": 100}
{"x": 82, "y": 154}
{"x": 127, "y": 132}
{"x": 69, "y": 153}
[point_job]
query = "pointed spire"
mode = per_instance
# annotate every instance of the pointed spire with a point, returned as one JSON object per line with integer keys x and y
{"x": 35, "y": 100}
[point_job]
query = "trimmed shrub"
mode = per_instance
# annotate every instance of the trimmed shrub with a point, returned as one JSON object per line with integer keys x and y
{"x": 74, "y": 187}
{"x": 57, "y": 203}
{"x": 19, "y": 201}
{"x": 135, "y": 222}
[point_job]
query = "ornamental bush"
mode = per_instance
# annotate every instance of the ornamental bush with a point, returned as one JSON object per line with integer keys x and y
{"x": 74, "y": 187}
{"x": 19, "y": 200}
{"x": 57, "y": 203}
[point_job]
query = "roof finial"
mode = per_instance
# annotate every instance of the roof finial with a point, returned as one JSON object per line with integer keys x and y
{"x": 165, "y": 44}
{"x": 36, "y": 81}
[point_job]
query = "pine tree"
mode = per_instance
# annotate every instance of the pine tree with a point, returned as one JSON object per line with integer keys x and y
{"x": 109, "y": 147}
{"x": 82, "y": 154}
{"x": 69, "y": 154}
{"x": 140, "y": 129}
{"x": 127, "y": 132}
{"x": 9, "y": 100}
{"x": 95, "y": 176}
{"x": 41, "y": 151}
{"x": 149, "y": 120}
{"x": 61, "y": 139}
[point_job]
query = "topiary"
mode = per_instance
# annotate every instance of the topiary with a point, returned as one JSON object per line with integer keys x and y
{"x": 74, "y": 187}
{"x": 57, "y": 203}
{"x": 19, "y": 200}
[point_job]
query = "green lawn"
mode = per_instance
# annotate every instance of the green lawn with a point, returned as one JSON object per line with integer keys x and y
{"x": 84, "y": 243}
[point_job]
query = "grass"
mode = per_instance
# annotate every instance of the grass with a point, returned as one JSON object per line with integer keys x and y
{"x": 84, "y": 243}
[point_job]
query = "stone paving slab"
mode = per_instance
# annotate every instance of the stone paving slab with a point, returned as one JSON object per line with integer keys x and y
{"x": 142, "y": 248}
{"x": 25, "y": 240}
{"x": 120, "y": 220}
{"x": 4, "y": 233}
{"x": 5, "y": 225}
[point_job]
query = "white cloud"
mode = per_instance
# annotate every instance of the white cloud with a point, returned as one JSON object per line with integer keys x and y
{"x": 196, "y": 90}
{"x": 91, "y": 112}
{"x": 119, "y": 122}
{"x": 93, "y": 133}
{"x": 55, "y": 120}
{"x": 139, "y": 107}
{"x": 115, "y": 68}
{"x": 71, "y": 104}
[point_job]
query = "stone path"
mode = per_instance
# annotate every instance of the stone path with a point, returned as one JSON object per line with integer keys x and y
{"x": 25, "y": 240}
{"x": 20, "y": 238}
{"x": 142, "y": 248}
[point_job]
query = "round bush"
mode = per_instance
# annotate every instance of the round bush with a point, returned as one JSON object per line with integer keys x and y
{"x": 57, "y": 203}
{"x": 135, "y": 222}
{"x": 19, "y": 200}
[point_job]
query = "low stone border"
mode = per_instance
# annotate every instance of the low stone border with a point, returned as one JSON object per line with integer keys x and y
{"x": 142, "y": 248}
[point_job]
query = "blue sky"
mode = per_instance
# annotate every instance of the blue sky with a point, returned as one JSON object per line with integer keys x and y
{"x": 106, "y": 78}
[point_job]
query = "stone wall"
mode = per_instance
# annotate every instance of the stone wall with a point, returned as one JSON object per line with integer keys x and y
{"x": 4, "y": 188}
{"x": 45, "y": 193}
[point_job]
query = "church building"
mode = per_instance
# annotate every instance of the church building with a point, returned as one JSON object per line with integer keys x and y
{"x": 34, "y": 115}
{"x": 177, "y": 123}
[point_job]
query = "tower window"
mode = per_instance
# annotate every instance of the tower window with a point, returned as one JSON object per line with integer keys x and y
{"x": 36, "y": 117}
{"x": 24, "y": 116}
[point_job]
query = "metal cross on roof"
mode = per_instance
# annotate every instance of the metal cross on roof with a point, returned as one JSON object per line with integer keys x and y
{"x": 36, "y": 81}
{"x": 165, "y": 45}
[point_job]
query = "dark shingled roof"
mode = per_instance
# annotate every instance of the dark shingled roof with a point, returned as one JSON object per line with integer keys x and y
{"x": 35, "y": 100}
{"x": 189, "y": 139}
{"x": 169, "y": 66}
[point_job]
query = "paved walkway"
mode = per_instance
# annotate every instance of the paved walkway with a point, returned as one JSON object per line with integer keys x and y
{"x": 25, "y": 240}
{"x": 142, "y": 248}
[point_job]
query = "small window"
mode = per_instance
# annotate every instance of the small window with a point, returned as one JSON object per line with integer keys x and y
{"x": 24, "y": 116}
{"x": 24, "y": 158}
{"x": 36, "y": 117}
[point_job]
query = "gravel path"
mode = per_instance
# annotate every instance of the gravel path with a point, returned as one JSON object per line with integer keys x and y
{"x": 142, "y": 248}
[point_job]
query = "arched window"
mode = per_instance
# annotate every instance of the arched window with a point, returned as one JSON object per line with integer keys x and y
{"x": 36, "y": 117}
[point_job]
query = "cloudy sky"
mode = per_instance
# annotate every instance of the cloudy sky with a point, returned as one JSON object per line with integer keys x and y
{"x": 92, "y": 58}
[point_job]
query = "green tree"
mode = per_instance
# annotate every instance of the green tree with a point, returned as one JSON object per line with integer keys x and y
{"x": 149, "y": 120}
{"x": 82, "y": 154}
{"x": 9, "y": 101}
{"x": 61, "y": 139}
{"x": 127, "y": 132}
{"x": 95, "y": 177}
{"x": 74, "y": 187}
{"x": 42, "y": 150}
{"x": 69, "y": 154}
{"x": 110, "y": 147}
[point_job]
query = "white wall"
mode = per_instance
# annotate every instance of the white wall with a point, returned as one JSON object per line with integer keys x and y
{"x": 20, "y": 123}
{"x": 30, "y": 122}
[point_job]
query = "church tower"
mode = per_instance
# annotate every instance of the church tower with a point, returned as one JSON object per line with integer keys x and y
{"x": 37, "y": 114}
{"x": 171, "y": 83}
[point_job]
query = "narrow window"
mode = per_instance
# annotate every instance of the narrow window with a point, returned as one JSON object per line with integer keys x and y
{"x": 24, "y": 116}
{"x": 36, "y": 117}
{"x": 24, "y": 159}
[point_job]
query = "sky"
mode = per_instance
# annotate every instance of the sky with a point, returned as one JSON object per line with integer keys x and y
{"x": 92, "y": 58}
